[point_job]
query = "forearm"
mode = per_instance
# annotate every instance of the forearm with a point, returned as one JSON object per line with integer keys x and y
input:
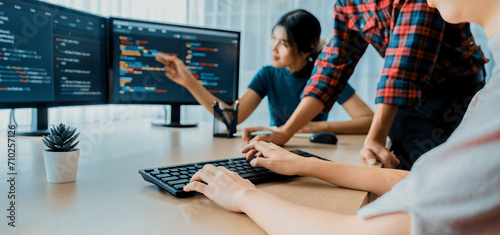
{"x": 375, "y": 180}
{"x": 308, "y": 108}
{"x": 204, "y": 97}
{"x": 277, "y": 216}
{"x": 289, "y": 218}
{"x": 360, "y": 125}
{"x": 381, "y": 124}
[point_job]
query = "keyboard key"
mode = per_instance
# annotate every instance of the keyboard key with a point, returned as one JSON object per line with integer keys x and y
{"x": 250, "y": 175}
{"x": 179, "y": 186}
{"x": 163, "y": 176}
{"x": 181, "y": 181}
{"x": 154, "y": 173}
{"x": 169, "y": 179}
{"x": 198, "y": 165}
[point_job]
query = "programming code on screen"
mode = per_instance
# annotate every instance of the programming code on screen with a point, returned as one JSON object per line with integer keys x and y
{"x": 211, "y": 56}
{"x": 50, "y": 54}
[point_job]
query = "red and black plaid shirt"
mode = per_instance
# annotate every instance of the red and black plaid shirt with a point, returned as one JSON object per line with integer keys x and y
{"x": 419, "y": 47}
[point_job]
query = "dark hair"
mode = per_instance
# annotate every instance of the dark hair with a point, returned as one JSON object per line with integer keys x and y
{"x": 303, "y": 31}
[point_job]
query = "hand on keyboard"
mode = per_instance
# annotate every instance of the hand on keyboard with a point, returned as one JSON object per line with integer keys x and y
{"x": 274, "y": 158}
{"x": 221, "y": 185}
{"x": 174, "y": 178}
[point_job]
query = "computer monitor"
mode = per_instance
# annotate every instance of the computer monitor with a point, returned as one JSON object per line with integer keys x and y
{"x": 211, "y": 55}
{"x": 50, "y": 56}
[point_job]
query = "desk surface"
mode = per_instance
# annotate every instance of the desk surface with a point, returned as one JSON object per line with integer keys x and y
{"x": 110, "y": 197}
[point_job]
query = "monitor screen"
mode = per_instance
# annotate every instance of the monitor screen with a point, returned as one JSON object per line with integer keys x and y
{"x": 212, "y": 56}
{"x": 51, "y": 55}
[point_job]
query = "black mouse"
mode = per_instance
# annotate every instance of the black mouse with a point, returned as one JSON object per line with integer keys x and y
{"x": 325, "y": 137}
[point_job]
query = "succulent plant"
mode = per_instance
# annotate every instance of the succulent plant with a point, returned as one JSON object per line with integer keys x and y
{"x": 61, "y": 138}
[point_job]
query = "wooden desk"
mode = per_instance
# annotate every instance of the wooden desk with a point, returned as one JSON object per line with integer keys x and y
{"x": 110, "y": 197}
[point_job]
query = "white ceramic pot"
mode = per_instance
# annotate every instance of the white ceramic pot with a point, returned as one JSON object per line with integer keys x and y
{"x": 61, "y": 167}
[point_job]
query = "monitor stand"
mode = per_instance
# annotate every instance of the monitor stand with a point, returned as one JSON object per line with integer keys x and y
{"x": 39, "y": 123}
{"x": 175, "y": 118}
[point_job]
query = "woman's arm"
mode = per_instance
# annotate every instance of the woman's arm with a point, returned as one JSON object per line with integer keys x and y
{"x": 375, "y": 180}
{"x": 277, "y": 216}
{"x": 248, "y": 102}
{"x": 361, "y": 119}
{"x": 177, "y": 72}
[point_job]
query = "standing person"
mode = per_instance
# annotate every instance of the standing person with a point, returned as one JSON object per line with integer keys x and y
{"x": 431, "y": 71}
{"x": 453, "y": 189}
{"x": 295, "y": 46}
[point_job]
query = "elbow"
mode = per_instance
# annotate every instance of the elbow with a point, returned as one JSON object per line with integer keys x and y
{"x": 241, "y": 118}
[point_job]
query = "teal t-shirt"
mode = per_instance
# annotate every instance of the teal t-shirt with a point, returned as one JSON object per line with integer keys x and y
{"x": 284, "y": 91}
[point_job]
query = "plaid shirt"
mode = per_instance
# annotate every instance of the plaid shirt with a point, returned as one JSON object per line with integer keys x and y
{"x": 419, "y": 47}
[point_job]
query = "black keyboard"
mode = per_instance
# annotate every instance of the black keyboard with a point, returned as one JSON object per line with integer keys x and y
{"x": 174, "y": 178}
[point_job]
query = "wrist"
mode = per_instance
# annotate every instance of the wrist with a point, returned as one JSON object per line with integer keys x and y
{"x": 286, "y": 131}
{"x": 247, "y": 195}
{"x": 329, "y": 126}
{"x": 191, "y": 83}
{"x": 374, "y": 140}
{"x": 306, "y": 166}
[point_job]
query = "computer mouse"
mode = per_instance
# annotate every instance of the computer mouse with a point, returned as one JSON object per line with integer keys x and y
{"x": 325, "y": 137}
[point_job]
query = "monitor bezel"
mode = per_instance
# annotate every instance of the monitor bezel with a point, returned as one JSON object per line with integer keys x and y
{"x": 48, "y": 104}
{"x": 110, "y": 62}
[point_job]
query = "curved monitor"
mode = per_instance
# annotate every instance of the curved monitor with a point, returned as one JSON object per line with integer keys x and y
{"x": 211, "y": 55}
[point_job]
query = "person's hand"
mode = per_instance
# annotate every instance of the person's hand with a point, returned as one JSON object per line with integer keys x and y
{"x": 313, "y": 127}
{"x": 274, "y": 158}
{"x": 221, "y": 185}
{"x": 373, "y": 151}
{"x": 176, "y": 70}
{"x": 278, "y": 137}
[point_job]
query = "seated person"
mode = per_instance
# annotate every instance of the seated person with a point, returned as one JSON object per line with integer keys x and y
{"x": 295, "y": 46}
{"x": 452, "y": 189}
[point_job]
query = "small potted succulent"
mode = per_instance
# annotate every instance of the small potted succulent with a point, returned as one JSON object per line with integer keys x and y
{"x": 61, "y": 157}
